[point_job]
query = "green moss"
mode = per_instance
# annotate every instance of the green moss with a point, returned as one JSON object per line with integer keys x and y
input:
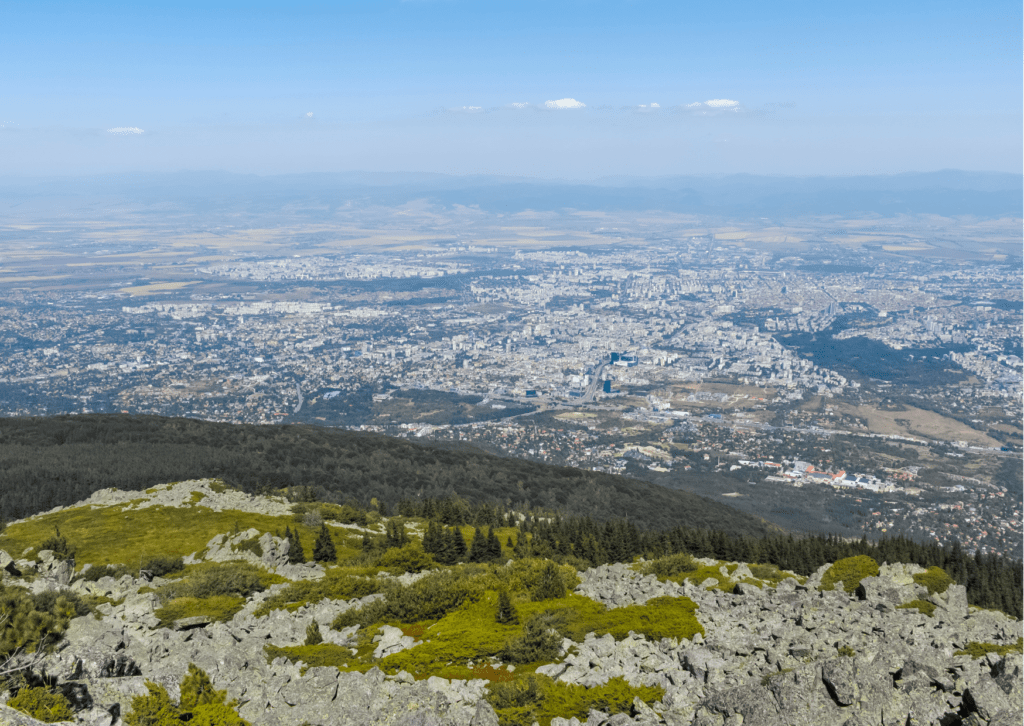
{"x": 980, "y": 650}
{"x": 850, "y": 571}
{"x": 923, "y": 606}
{"x": 218, "y": 607}
{"x": 197, "y": 497}
{"x": 935, "y": 579}
{"x": 533, "y": 697}
{"x": 846, "y": 651}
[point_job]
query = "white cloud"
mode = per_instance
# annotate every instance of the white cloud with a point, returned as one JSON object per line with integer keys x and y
{"x": 563, "y": 103}
{"x": 125, "y": 131}
{"x": 309, "y": 114}
{"x": 695, "y": 104}
{"x": 722, "y": 103}
{"x": 519, "y": 104}
{"x": 655, "y": 105}
{"x": 471, "y": 109}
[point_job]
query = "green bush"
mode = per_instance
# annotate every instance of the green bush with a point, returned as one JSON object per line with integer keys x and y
{"x": 43, "y": 705}
{"x": 935, "y": 579}
{"x": 58, "y": 544}
{"x": 670, "y": 566}
{"x": 239, "y": 579}
{"x": 533, "y": 697}
{"x": 850, "y": 572}
{"x": 550, "y": 586}
{"x": 335, "y": 585}
{"x": 35, "y": 621}
{"x": 429, "y": 598}
{"x": 162, "y": 566}
{"x": 506, "y": 613}
{"x": 313, "y": 635}
{"x": 537, "y": 642}
{"x": 201, "y": 705}
{"x": 408, "y": 558}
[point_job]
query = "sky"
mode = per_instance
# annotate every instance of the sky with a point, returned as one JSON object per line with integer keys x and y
{"x": 564, "y": 89}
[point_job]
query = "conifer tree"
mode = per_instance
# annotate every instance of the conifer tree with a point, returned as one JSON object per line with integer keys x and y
{"x": 296, "y": 554}
{"x": 313, "y": 635}
{"x": 323, "y": 549}
{"x": 506, "y": 614}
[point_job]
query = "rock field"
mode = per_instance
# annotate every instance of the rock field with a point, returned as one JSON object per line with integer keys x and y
{"x": 787, "y": 655}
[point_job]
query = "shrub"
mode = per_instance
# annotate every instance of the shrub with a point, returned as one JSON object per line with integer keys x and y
{"x": 313, "y": 635}
{"x": 506, "y": 614}
{"x": 217, "y": 579}
{"x": 409, "y": 558}
{"x": 161, "y": 566}
{"x": 935, "y": 579}
{"x": 42, "y": 705}
{"x": 34, "y": 622}
{"x": 429, "y": 598}
{"x": 58, "y": 544}
{"x": 538, "y": 642}
{"x": 551, "y": 585}
{"x": 538, "y": 698}
{"x": 672, "y": 565}
{"x": 850, "y": 572}
{"x": 335, "y": 585}
{"x": 201, "y": 705}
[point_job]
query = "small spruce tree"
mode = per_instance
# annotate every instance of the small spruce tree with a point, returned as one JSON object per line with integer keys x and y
{"x": 324, "y": 549}
{"x": 506, "y": 614}
{"x": 313, "y": 635}
{"x": 296, "y": 554}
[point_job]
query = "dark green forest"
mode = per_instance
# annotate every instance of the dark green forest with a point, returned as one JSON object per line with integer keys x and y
{"x": 57, "y": 461}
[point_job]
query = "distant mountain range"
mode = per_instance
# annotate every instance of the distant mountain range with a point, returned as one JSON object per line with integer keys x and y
{"x": 947, "y": 192}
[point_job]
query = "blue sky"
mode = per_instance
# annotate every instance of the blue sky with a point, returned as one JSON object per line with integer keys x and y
{"x": 464, "y": 86}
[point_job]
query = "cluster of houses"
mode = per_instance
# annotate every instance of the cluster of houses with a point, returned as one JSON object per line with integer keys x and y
{"x": 800, "y": 472}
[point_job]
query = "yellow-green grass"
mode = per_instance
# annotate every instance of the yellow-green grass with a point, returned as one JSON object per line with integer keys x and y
{"x": 110, "y": 535}
{"x": 763, "y": 574}
{"x": 219, "y": 607}
{"x": 535, "y": 698}
{"x": 470, "y": 632}
{"x": 980, "y": 650}
{"x": 923, "y": 606}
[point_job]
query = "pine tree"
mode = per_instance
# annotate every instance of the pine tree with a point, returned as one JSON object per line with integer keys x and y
{"x": 323, "y": 549}
{"x": 313, "y": 636}
{"x": 493, "y": 546}
{"x": 506, "y": 614}
{"x": 296, "y": 554}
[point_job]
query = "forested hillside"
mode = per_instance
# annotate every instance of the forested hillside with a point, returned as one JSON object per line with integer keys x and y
{"x": 56, "y": 461}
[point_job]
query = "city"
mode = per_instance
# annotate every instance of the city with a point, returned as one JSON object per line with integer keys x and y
{"x": 892, "y": 382}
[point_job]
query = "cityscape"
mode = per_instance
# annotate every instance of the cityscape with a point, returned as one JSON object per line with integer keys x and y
{"x": 867, "y": 389}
